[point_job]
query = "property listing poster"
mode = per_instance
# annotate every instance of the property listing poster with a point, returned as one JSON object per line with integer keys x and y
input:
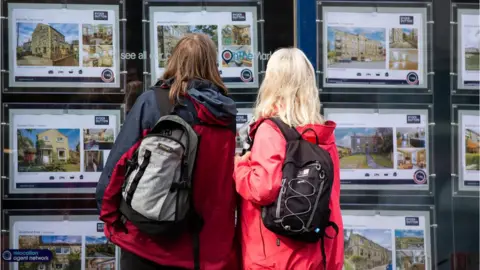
{"x": 79, "y": 245}
{"x": 468, "y": 49}
{"x": 58, "y": 152}
{"x": 244, "y": 117}
{"x": 387, "y": 149}
{"x": 391, "y": 241}
{"x": 232, "y": 29}
{"x": 55, "y": 47}
{"x": 469, "y": 150}
{"x": 364, "y": 47}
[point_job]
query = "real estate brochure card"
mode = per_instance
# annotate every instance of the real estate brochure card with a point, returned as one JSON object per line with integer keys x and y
{"x": 364, "y": 47}
{"x": 386, "y": 241}
{"x": 232, "y": 29}
{"x": 244, "y": 116}
{"x": 77, "y": 46}
{"x": 468, "y": 49}
{"x": 469, "y": 150}
{"x": 58, "y": 152}
{"x": 75, "y": 244}
{"x": 387, "y": 149}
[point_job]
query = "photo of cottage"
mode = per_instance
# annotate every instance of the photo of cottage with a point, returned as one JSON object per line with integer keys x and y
{"x": 471, "y": 47}
{"x": 351, "y": 47}
{"x": 242, "y": 56}
{"x": 409, "y": 240}
{"x": 97, "y": 55}
{"x": 236, "y": 35}
{"x": 403, "y": 38}
{"x": 66, "y": 250}
{"x": 403, "y": 59}
{"x": 99, "y": 253}
{"x": 410, "y": 260}
{"x": 48, "y": 150}
{"x": 411, "y": 137}
{"x": 472, "y": 149}
{"x": 97, "y": 34}
{"x": 98, "y": 139}
{"x": 365, "y": 148}
{"x": 169, "y": 35}
{"x": 367, "y": 249}
{"x": 43, "y": 44}
{"x": 93, "y": 161}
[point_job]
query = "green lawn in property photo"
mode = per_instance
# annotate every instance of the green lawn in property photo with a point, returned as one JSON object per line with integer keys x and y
{"x": 382, "y": 160}
{"x": 472, "y": 161}
{"x": 354, "y": 162}
{"x": 22, "y": 167}
{"x": 473, "y": 62}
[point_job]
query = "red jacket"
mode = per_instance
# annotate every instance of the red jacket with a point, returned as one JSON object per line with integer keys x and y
{"x": 214, "y": 193}
{"x": 258, "y": 181}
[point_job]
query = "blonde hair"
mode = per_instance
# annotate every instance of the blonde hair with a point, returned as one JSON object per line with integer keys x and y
{"x": 289, "y": 90}
{"x": 194, "y": 57}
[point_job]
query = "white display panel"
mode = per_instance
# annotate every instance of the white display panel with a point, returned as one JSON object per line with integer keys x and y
{"x": 233, "y": 29}
{"x": 60, "y": 152}
{"x": 469, "y": 150}
{"x": 391, "y": 240}
{"x": 76, "y": 46}
{"x": 78, "y": 243}
{"x": 468, "y": 52}
{"x": 374, "y": 47}
{"x": 384, "y": 149}
{"x": 244, "y": 116}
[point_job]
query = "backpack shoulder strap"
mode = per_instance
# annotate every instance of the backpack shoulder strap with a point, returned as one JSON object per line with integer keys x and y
{"x": 162, "y": 90}
{"x": 289, "y": 133}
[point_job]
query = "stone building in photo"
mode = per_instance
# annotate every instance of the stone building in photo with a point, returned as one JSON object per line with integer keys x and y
{"x": 49, "y": 43}
{"x": 357, "y": 47}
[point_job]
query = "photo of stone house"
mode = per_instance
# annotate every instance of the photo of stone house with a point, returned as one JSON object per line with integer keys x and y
{"x": 367, "y": 249}
{"x": 66, "y": 251}
{"x": 48, "y": 150}
{"x": 41, "y": 44}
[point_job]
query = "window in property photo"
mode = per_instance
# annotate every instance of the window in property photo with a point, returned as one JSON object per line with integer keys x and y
{"x": 45, "y": 138}
{"x": 59, "y": 139}
{"x": 61, "y": 154}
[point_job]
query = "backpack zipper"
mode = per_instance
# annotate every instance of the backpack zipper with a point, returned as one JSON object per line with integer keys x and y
{"x": 279, "y": 199}
{"x": 319, "y": 169}
{"x": 261, "y": 236}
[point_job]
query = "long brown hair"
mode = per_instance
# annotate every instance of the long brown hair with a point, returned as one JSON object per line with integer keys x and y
{"x": 194, "y": 57}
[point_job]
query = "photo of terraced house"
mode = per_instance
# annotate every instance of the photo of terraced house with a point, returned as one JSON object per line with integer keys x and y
{"x": 410, "y": 260}
{"x": 236, "y": 35}
{"x": 41, "y": 44}
{"x": 169, "y": 35}
{"x": 66, "y": 250}
{"x": 48, "y": 150}
{"x": 99, "y": 253}
{"x": 472, "y": 149}
{"x": 361, "y": 48}
{"x": 367, "y": 249}
{"x": 365, "y": 148}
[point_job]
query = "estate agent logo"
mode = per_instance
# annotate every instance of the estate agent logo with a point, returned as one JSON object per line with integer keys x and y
{"x": 102, "y": 120}
{"x": 239, "y": 16}
{"x": 100, "y": 15}
{"x": 413, "y": 119}
{"x": 412, "y": 221}
{"x": 242, "y": 119}
{"x": 100, "y": 227}
{"x": 406, "y": 20}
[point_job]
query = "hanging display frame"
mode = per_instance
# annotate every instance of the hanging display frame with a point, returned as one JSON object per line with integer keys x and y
{"x": 150, "y": 7}
{"x": 70, "y": 174}
{"x": 111, "y": 80}
{"x": 423, "y": 183}
{"x": 372, "y": 86}
{"x": 462, "y": 84}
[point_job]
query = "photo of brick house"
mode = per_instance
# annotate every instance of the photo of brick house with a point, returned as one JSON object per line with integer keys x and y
{"x": 48, "y": 150}
{"x": 472, "y": 149}
{"x": 66, "y": 251}
{"x": 40, "y": 44}
{"x": 367, "y": 249}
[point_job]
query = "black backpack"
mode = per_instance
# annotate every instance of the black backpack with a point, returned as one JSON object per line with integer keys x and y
{"x": 301, "y": 211}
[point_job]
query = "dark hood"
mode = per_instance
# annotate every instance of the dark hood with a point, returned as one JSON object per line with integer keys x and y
{"x": 215, "y": 107}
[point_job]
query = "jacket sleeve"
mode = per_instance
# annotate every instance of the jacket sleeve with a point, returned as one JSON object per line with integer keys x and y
{"x": 259, "y": 178}
{"x": 141, "y": 117}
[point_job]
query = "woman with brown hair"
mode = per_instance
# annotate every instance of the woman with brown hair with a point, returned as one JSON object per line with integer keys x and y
{"x": 193, "y": 87}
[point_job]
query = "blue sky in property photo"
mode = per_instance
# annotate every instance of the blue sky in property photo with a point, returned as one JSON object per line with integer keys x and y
{"x": 383, "y": 237}
{"x": 95, "y": 240}
{"x": 369, "y": 32}
{"x": 61, "y": 239}
{"x": 69, "y": 30}
{"x": 73, "y": 135}
{"x": 343, "y": 135}
{"x": 408, "y": 233}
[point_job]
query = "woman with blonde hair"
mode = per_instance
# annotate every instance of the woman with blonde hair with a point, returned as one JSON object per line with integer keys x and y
{"x": 288, "y": 93}
{"x": 191, "y": 85}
